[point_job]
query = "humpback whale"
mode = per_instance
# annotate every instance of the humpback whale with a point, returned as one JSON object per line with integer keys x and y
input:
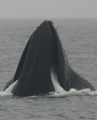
{"x": 44, "y": 67}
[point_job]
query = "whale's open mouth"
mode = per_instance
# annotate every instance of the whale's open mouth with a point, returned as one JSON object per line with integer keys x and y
{"x": 43, "y": 66}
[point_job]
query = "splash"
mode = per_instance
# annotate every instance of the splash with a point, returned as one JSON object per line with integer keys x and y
{"x": 74, "y": 92}
{"x": 59, "y": 91}
{"x": 3, "y": 93}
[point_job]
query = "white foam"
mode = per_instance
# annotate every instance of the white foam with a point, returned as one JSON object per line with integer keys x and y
{"x": 3, "y": 93}
{"x": 59, "y": 91}
{"x": 74, "y": 92}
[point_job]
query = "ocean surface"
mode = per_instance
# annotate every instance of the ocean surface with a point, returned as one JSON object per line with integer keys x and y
{"x": 79, "y": 39}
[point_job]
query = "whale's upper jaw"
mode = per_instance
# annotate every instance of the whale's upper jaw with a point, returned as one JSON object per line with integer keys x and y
{"x": 35, "y": 77}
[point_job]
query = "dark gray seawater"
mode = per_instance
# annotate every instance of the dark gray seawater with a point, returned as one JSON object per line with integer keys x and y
{"x": 79, "y": 38}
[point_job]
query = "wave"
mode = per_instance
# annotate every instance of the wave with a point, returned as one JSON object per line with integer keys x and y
{"x": 59, "y": 91}
{"x": 72, "y": 92}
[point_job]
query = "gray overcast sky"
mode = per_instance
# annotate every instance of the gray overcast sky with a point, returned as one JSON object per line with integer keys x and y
{"x": 47, "y": 8}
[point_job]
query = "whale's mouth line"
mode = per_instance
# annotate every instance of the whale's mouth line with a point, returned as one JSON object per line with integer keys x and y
{"x": 57, "y": 87}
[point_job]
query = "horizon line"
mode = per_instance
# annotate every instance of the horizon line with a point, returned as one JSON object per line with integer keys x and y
{"x": 36, "y": 18}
